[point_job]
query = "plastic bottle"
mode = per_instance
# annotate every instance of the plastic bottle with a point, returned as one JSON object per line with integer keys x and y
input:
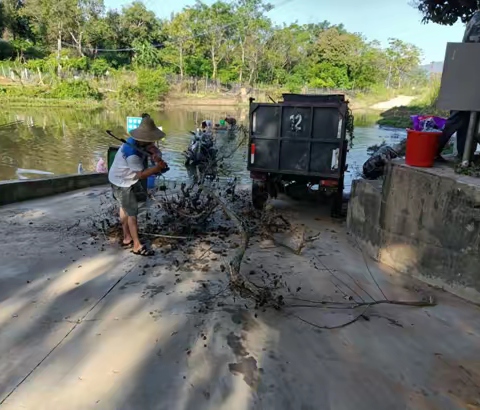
{"x": 80, "y": 168}
{"x": 101, "y": 166}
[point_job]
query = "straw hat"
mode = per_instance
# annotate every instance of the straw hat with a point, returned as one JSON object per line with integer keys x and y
{"x": 147, "y": 131}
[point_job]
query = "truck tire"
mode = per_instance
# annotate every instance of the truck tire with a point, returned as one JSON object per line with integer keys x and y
{"x": 259, "y": 194}
{"x": 339, "y": 207}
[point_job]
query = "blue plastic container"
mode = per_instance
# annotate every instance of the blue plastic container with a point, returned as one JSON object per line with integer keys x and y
{"x": 151, "y": 182}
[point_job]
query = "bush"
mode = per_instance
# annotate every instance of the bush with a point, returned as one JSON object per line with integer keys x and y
{"x": 229, "y": 75}
{"x": 6, "y": 50}
{"x": 75, "y": 63}
{"x": 128, "y": 93}
{"x": 36, "y": 64}
{"x": 75, "y": 89}
{"x": 99, "y": 67}
{"x": 294, "y": 83}
{"x": 152, "y": 85}
{"x": 48, "y": 64}
{"x": 26, "y": 92}
{"x": 117, "y": 59}
{"x": 36, "y": 51}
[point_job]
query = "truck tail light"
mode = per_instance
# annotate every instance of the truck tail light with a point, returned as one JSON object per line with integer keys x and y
{"x": 328, "y": 183}
{"x": 252, "y": 154}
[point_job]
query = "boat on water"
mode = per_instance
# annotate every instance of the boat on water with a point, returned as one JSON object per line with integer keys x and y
{"x": 23, "y": 172}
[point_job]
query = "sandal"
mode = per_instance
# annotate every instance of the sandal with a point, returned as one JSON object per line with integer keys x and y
{"x": 144, "y": 251}
{"x": 126, "y": 245}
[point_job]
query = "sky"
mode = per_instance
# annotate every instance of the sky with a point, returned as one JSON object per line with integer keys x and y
{"x": 375, "y": 19}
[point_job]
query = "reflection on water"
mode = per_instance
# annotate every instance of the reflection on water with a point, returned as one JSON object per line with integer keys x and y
{"x": 55, "y": 140}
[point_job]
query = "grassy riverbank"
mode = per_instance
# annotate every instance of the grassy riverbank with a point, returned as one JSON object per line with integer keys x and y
{"x": 147, "y": 88}
{"x": 399, "y": 117}
{"x": 143, "y": 87}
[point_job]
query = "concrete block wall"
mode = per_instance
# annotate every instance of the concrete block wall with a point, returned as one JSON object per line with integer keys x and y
{"x": 424, "y": 222}
{"x": 15, "y": 191}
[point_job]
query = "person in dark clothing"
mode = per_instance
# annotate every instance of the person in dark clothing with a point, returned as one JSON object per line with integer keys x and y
{"x": 459, "y": 120}
{"x": 231, "y": 121}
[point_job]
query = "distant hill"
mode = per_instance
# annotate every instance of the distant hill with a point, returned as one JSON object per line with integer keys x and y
{"x": 435, "y": 67}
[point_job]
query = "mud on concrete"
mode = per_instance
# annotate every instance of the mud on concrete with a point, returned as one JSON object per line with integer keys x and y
{"x": 85, "y": 324}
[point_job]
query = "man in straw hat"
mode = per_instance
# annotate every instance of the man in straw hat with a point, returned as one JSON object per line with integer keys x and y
{"x": 125, "y": 174}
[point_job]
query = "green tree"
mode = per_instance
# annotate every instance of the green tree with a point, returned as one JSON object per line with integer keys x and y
{"x": 114, "y": 32}
{"x": 20, "y": 46}
{"x": 2, "y": 19}
{"x": 51, "y": 20}
{"x": 333, "y": 58}
{"x": 83, "y": 18}
{"x": 63, "y": 21}
{"x": 180, "y": 39}
{"x": 13, "y": 24}
{"x": 214, "y": 26}
{"x": 251, "y": 26}
{"x": 98, "y": 34}
{"x": 139, "y": 23}
{"x": 447, "y": 12}
{"x": 288, "y": 54}
{"x": 402, "y": 58}
{"x": 146, "y": 55}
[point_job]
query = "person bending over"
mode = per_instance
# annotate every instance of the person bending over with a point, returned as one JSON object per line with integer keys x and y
{"x": 125, "y": 174}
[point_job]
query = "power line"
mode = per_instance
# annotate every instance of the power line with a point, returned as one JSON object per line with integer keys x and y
{"x": 107, "y": 49}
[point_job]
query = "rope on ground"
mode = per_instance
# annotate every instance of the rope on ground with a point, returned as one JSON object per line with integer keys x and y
{"x": 340, "y": 280}
{"x": 368, "y": 268}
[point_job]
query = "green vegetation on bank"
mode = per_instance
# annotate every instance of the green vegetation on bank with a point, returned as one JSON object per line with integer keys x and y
{"x": 227, "y": 42}
{"x": 146, "y": 85}
{"x": 399, "y": 117}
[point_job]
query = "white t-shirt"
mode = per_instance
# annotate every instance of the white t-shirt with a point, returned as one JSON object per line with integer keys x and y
{"x": 124, "y": 168}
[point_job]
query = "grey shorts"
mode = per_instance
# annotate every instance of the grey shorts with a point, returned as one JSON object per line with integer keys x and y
{"x": 129, "y": 197}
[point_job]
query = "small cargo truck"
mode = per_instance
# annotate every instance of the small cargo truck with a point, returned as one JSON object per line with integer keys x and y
{"x": 298, "y": 144}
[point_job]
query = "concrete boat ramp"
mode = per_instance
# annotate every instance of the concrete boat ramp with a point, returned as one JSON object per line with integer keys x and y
{"x": 85, "y": 324}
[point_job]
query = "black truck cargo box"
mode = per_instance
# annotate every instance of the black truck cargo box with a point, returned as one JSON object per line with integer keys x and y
{"x": 313, "y": 98}
{"x": 303, "y": 135}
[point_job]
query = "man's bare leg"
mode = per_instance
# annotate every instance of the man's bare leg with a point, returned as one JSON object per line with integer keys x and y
{"x": 132, "y": 226}
{"x": 127, "y": 238}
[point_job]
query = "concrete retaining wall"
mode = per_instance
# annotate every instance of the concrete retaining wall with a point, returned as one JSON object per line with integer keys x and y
{"x": 15, "y": 191}
{"x": 424, "y": 222}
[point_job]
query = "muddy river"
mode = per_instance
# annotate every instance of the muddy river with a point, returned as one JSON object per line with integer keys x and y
{"x": 52, "y": 141}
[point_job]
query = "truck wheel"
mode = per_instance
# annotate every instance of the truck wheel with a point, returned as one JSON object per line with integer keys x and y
{"x": 259, "y": 194}
{"x": 339, "y": 208}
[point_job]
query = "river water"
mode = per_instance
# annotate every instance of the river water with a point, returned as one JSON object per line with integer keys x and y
{"x": 53, "y": 141}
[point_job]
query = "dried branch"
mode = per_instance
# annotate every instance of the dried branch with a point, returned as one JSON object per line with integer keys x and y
{"x": 429, "y": 302}
{"x": 332, "y": 327}
{"x": 261, "y": 295}
{"x": 166, "y": 236}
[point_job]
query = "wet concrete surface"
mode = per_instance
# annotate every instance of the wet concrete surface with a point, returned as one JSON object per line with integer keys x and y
{"x": 85, "y": 324}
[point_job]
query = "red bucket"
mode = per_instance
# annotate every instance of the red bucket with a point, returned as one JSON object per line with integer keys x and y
{"x": 421, "y": 148}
